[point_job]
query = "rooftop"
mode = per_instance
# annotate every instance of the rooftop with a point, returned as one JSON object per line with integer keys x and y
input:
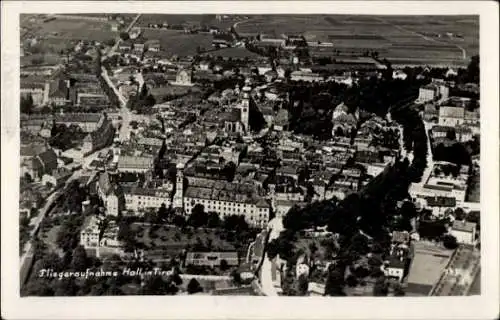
{"x": 464, "y": 226}
{"x": 78, "y": 117}
{"x": 452, "y": 112}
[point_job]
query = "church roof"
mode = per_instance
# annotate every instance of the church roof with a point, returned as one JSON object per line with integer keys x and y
{"x": 232, "y": 116}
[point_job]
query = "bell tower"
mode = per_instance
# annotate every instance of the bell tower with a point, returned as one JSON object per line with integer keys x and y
{"x": 245, "y": 105}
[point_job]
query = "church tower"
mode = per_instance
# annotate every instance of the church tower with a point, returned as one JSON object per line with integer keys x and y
{"x": 179, "y": 187}
{"x": 245, "y": 105}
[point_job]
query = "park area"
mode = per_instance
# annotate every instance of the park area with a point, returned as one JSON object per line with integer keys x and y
{"x": 172, "y": 240}
{"x": 420, "y": 40}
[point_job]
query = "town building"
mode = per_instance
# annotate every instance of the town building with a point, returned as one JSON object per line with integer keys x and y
{"x": 464, "y": 231}
{"x": 178, "y": 200}
{"x": 153, "y": 45}
{"x": 131, "y": 163}
{"x": 138, "y": 199}
{"x": 42, "y": 164}
{"x": 451, "y": 116}
{"x": 91, "y": 231}
{"x": 439, "y": 184}
{"x": 343, "y": 120}
{"x": 395, "y": 268}
{"x": 227, "y": 198}
{"x": 88, "y": 122}
{"x": 432, "y": 92}
{"x": 306, "y": 76}
{"x": 39, "y": 92}
{"x": 462, "y": 132}
{"x": 110, "y": 194}
{"x": 101, "y": 137}
{"x": 183, "y": 78}
{"x": 109, "y": 242}
{"x": 57, "y": 177}
{"x": 399, "y": 74}
{"x": 211, "y": 259}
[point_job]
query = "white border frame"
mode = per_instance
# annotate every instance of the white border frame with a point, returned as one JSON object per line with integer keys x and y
{"x": 177, "y": 307}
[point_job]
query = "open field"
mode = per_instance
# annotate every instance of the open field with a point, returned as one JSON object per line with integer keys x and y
{"x": 421, "y": 39}
{"x": 174, "y": 42}
{"x": 188, "y": 19}
{"x": 74, "y": 30}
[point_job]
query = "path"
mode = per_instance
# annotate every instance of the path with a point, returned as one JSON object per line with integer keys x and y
{"x": 119, "y": 40}
{"x": 26, "y": 258}
{"x": 275, "y": 227}
{"x": 124, "y": 111}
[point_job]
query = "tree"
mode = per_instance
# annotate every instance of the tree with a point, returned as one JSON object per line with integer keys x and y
{"x": 408, "y": 210}
{"x": 194, "y": 286}
{"x": 224, "y": 265}
{"x": 28, "y": 177}
{"x": 459, "y": 214}
{"x": 302, "y": 285}
{"x": 124, "y": 36}
{"x": 352, "y": 281}
{"x": 134, "y": 124}
{"x": 450, "y": 242}
{"x": 381, "y": 288}
{"x": 66, "y": 287}
{"x": 162, "y": 212}
{"x": 198, "y": 217}
{"x": 80, "y": 261}
{"x": 398, "y": 290}
{"x": 235, "y": 222}
{"x": 127, "y": 236}
{"x": 236, "y": 277}
{"x": 157, "y": 286}
{"x": 27, "y": 104}
{"x": 213, "y": 220}
{"x": 179, "y": 221}
{"x": 334, "y": 285}
{"x": 110, "y": 42}
{"x": 451, "y": 135}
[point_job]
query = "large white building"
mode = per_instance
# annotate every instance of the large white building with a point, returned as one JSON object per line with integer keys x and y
{"x": 89, "y": 236}
{"x": 139, "y": 199}
{"x": 227, "y": 199}
{"x": 38, "y": 92}
{"x": 433, "y": 91}
{"x": 451, "y": 116}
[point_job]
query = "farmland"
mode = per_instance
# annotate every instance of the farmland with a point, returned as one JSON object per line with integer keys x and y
{"x": 421, "y": 40}
{"x": 174, "y": 42}
{"x": 188, "y": 19}
{"x": 74, "y": 30}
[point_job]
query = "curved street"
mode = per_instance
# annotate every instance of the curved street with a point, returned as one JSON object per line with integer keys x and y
{"x": 275, "y": 226}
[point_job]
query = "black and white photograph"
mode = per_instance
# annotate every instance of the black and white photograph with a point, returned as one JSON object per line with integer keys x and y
{"x": 267, "y": 154}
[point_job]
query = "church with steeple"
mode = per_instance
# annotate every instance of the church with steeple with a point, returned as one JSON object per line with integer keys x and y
{"x": 236, "y": 120}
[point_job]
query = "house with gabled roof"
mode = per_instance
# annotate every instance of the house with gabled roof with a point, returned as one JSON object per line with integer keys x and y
{"x": 110, "y": 194}
{"x": 44, "y": 163}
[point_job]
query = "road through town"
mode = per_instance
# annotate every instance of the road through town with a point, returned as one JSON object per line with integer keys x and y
{"x": 275, "y": 227}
